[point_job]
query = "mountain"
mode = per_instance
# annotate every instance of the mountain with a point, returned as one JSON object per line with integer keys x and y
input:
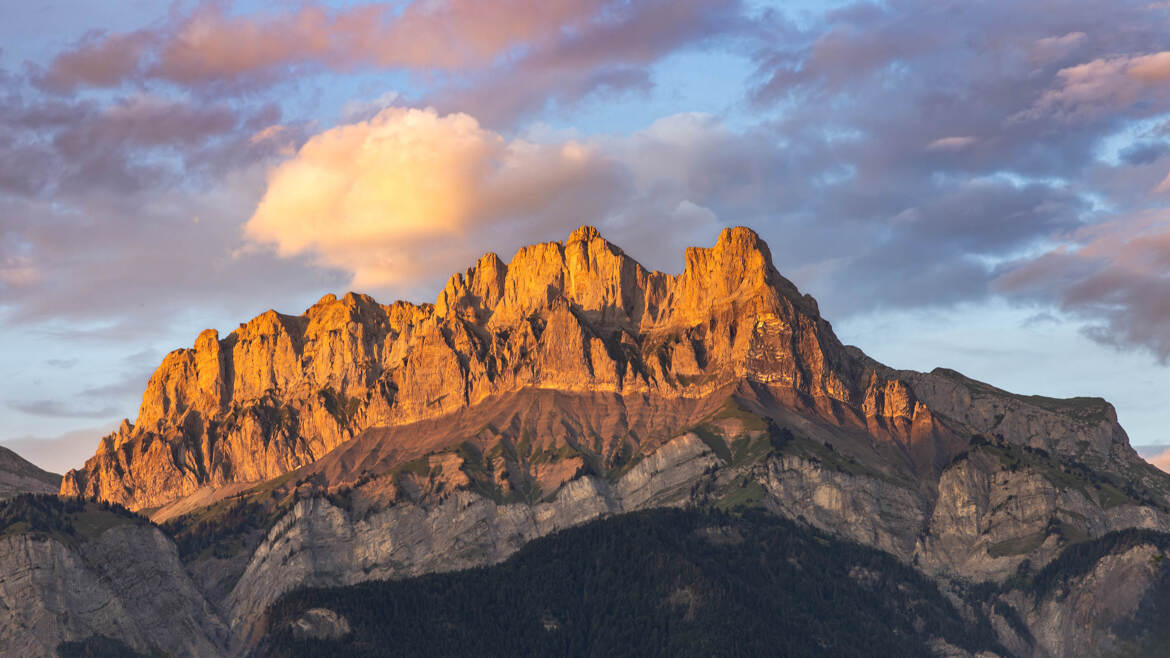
{"x": 18, "y": 476}
{"x": 358, "y": 442}
{"x": 282, "y": 391}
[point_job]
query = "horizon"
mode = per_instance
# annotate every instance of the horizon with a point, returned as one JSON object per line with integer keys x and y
{"x": 982, "y": 188}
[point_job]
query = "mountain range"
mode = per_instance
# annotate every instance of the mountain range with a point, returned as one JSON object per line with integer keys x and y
{"x": 275, "y": 473}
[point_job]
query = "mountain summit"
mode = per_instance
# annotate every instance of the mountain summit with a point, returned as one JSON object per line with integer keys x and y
{"x": 579, "y": 315}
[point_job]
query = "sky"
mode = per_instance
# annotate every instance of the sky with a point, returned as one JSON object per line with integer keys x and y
{"x": 980, "y": 185}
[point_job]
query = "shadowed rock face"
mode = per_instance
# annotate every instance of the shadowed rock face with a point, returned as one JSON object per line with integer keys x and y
{"x": 19, "y": 476}
{"x": 281, "y": 391}
{"x": 127, "y": 582}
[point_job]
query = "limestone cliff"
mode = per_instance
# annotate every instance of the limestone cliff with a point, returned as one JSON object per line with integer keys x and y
{"x": 281, "y": 391}
{"x": 125, "y": 582}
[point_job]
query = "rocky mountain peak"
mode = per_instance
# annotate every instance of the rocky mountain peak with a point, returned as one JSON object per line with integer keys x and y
{"x": 584, "y": 233}
{"x": 577, "y": 316}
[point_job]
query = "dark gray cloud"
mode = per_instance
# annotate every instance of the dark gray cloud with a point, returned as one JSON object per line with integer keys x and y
{"x": 122, "y": 215}
{"x": 62, "y": 409}
{"x": 1143, "y": 153}
{"x": 117, "y": 395}
{"x": 610, "y": 54}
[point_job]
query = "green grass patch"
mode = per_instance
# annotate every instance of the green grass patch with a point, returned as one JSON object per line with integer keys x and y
{"x": 344, "y": 409}
{"x": 743, "y": 494}
{"x": 733, "y": 409}
{"x": 1107, "y": 490}
{"x": 748, "y": 450}
{"x": 828, "y": 457}
{"x": 713, "y": 441}
{"x": 69, "y": 520}
{"x": 1017, "y": 545}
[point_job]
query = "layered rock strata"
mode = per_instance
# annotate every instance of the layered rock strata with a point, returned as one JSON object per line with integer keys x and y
{"x": 281, "y": 391}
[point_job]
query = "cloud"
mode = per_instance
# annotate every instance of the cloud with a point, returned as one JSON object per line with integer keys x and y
{"x": 122, "y": 213}
{"x": 897, "y": 156}
{"x": 62, "y": 149}
{"x": 217, "y": 50}
{"x": 935, "y": 147}
{"x": 396, "y": 201}
{"x": 213, "y": 46}
{"x": 1144, "y": 153}
{"x": 59, "y": 409}
{"x": 364, "y": 110}
{"x": 135, "y": 267}
{"x": 366, "y": 196}
{"x": 1151, "y": 68}
{"x": 1101, "y": 85}
{"x": 114, "y": 396}
{"x": 98, "y": 59}
{"x": 610, "y": 54}
{"x": 957, "y": 143}
{"x": 1115, "y": 276}
{"x": 1049, "y": 49}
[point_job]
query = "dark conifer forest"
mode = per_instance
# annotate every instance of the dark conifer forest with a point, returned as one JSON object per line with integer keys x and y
{"x": 660, "y": 583}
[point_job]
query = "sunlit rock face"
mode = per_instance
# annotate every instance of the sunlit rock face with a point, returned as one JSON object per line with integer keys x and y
{"x": 579, "y": 315}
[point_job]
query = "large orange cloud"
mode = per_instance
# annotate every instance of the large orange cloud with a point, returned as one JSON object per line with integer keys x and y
{"x": 378, "y": 198}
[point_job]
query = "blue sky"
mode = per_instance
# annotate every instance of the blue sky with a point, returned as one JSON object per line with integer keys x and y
{"x": 981, "y": 186}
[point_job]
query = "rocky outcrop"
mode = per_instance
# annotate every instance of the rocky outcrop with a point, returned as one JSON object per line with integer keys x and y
{"x": 320, "y": 624}
{"x": 126, "y": 583}
{"x": 865, "y": 508}
{"x": 1000, "y": 511}
{"x": 281, "y": 391}
{"x": 1111, "y": 600}
{"x": 576, "y": 316}
{"x": 318, "y": 543}
{"x": 17, "y": 476}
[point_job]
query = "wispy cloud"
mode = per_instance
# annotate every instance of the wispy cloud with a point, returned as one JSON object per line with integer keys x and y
{"x": 214, "y": 49}
{"x": 61, "y": 409}
{"x": 59, "y": 453}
